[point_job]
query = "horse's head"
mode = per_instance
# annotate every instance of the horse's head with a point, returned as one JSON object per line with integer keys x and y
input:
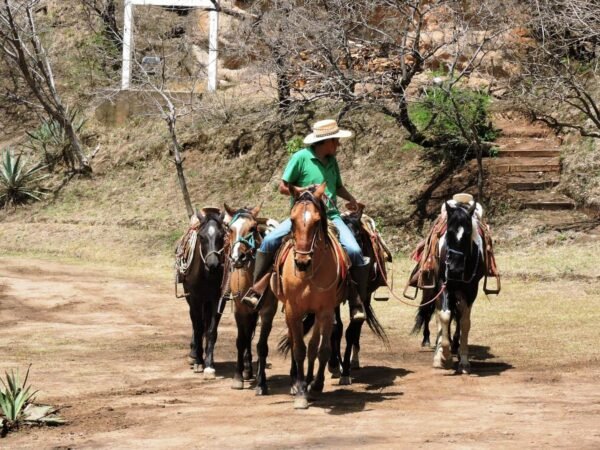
{"x": 243, "y": 235}
{"x": 212, "y": 238}
{"x": 309, "y": 220}
{"x": 459, "y": 241}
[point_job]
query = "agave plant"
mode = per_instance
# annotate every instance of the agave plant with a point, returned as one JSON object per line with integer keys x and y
{"x": 52, "y": 141}
{"x": 14, "y": 397}
{"x": 18, "y": 183}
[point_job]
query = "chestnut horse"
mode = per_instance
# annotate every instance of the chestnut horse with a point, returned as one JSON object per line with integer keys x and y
{"x": 310, "y": 276}
{"x": 245, "y": 238}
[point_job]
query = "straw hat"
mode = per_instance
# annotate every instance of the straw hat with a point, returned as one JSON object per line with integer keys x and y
{"x": 463, "y": 197}
{"x": 326, "y": 129}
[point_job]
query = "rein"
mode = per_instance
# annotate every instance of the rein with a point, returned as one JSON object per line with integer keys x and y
{"x": 383, "y": 277}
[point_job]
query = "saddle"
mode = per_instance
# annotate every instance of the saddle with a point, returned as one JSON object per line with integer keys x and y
{"x": 184, "y": 252}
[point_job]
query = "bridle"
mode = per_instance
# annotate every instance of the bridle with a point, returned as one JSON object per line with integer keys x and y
{"x": 218, "y": 253}
{"x": 450, "y": 251}
{"x": 249, "y": 240}
{"x": 306, "y": 198}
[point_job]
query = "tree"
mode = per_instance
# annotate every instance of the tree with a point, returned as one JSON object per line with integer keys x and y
{"x": 21, "y": 49}
{"x": 561, "y": 71}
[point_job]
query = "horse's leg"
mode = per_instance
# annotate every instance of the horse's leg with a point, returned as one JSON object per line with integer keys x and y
{"x": 355, "y": 361}
{"x": 267, "y": 313}
{"x": 313, "y": 347}
{"x": 465, "y": 327}
{"x": 426, "y": 334}
{"x": 299, "y": 355}
{"x": 240, "y": 343}
{"x": 248, "y": 372}
{"x": 352, "y": 336}
{"x": 336, "y": 344}
{"x": 456, "y": 336}
{"x": 325, "y": 326}
{"x": 198, "y": 331}
{"x": 193, "y": 353}
{"x": 442, "y": 358}
{"x": 211, "y": 340}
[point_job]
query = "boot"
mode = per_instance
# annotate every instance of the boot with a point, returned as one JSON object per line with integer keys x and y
{"x": 262, "y": 276}
{"x": 360, "y": 275}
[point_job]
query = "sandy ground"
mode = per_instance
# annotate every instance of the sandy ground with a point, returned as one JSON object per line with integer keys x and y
{"x": 110, "y": 349}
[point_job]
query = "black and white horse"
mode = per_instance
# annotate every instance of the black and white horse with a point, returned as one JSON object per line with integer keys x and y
{"x": 202, "y": 286}
{"x": 461, "y": 266}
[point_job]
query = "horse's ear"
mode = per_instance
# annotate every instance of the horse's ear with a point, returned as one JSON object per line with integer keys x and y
{"x": 320, "y": 190}
{"x": 255, "y": 211}
{"x": 229, "y": 210}
{"x": 224, "y": 217}
{"x": 471, "y": 209}
{"x": 449, "y": 207}
{"x": 200, "y": 214}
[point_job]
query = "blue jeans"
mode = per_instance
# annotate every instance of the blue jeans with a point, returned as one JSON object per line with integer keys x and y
{"x": 273, "y": 240}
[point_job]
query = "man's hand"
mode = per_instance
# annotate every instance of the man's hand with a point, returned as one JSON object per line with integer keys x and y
{"x": 352, "y": 204}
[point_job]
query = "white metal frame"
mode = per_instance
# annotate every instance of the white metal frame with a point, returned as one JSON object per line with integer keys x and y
{"x": 212, "y": 40}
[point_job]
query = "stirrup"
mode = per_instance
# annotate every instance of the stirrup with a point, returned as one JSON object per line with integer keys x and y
{"x": 251, "y": 299}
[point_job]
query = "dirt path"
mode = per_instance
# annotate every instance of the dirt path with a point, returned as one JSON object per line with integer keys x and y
{"x": 111, "y": 350}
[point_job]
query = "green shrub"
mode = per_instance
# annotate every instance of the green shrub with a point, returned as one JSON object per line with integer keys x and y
{"x": 19, "y": 184}
{"x": 294, "y": 144}
{"x": 449, "y": 116}
{"x": 51, "y": 140}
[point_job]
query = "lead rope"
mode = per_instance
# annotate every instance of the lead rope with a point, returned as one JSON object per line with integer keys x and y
{"x": 383, "y": 277}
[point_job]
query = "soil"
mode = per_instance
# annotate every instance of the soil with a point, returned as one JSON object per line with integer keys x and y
{"x": 110, "y": 350}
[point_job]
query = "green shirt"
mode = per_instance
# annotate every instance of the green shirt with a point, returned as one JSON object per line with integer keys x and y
{"x": 305, "y": 168}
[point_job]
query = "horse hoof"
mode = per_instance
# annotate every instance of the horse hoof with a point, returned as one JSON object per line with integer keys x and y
{"x": 262, "y": 390}
{"x": 464, "y": 369}
{"x": 210, "y": 373}
{"x": 438, "y": 363}
{"x": 198, "y": 368}
{"x": 293, "y": 390}
{"x": 345, "y": 380}
{"x": 315, "y": 387}
{"x": 334, "y": 370}
{"x": 247, "y": 375}
{"x": 237, "y": 384}
{"x": 300, "y": 403}
{"x": 426, "y": 344}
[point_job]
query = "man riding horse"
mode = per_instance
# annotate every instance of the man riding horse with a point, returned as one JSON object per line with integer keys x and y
{"x": 312, "y": 165}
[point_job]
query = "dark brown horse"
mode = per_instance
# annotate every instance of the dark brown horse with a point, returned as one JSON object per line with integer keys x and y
{"x": 245, "y": 238}
{"x": 310, "y": 277}
{"x": 202, "y": 285}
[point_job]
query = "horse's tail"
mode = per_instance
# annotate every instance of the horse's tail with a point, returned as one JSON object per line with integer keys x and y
{"x": 423, "y": 316}
{"x": 376, "y": 326}
{"x": 285, "y": 345}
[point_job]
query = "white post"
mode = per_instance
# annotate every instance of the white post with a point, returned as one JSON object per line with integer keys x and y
{"x": 213, "y": 54}
{"x": 213, "y": 36}
{"x": 127, "y": 38}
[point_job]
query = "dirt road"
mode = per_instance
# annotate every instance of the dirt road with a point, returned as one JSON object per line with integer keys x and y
{"x": 110, "y": 349}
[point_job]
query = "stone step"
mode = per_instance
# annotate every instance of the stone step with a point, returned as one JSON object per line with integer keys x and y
{"x": 545, "y": 200}
{"x": 521, "y": 128}
{"x": 519, "y": 184}
{"x": 549, "y": 205}
{"x": 517, "y": 165}
{"x": 524, "y": 153}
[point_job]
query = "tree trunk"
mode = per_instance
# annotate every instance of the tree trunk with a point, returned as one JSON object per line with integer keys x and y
{"x": 179, "y": 166}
